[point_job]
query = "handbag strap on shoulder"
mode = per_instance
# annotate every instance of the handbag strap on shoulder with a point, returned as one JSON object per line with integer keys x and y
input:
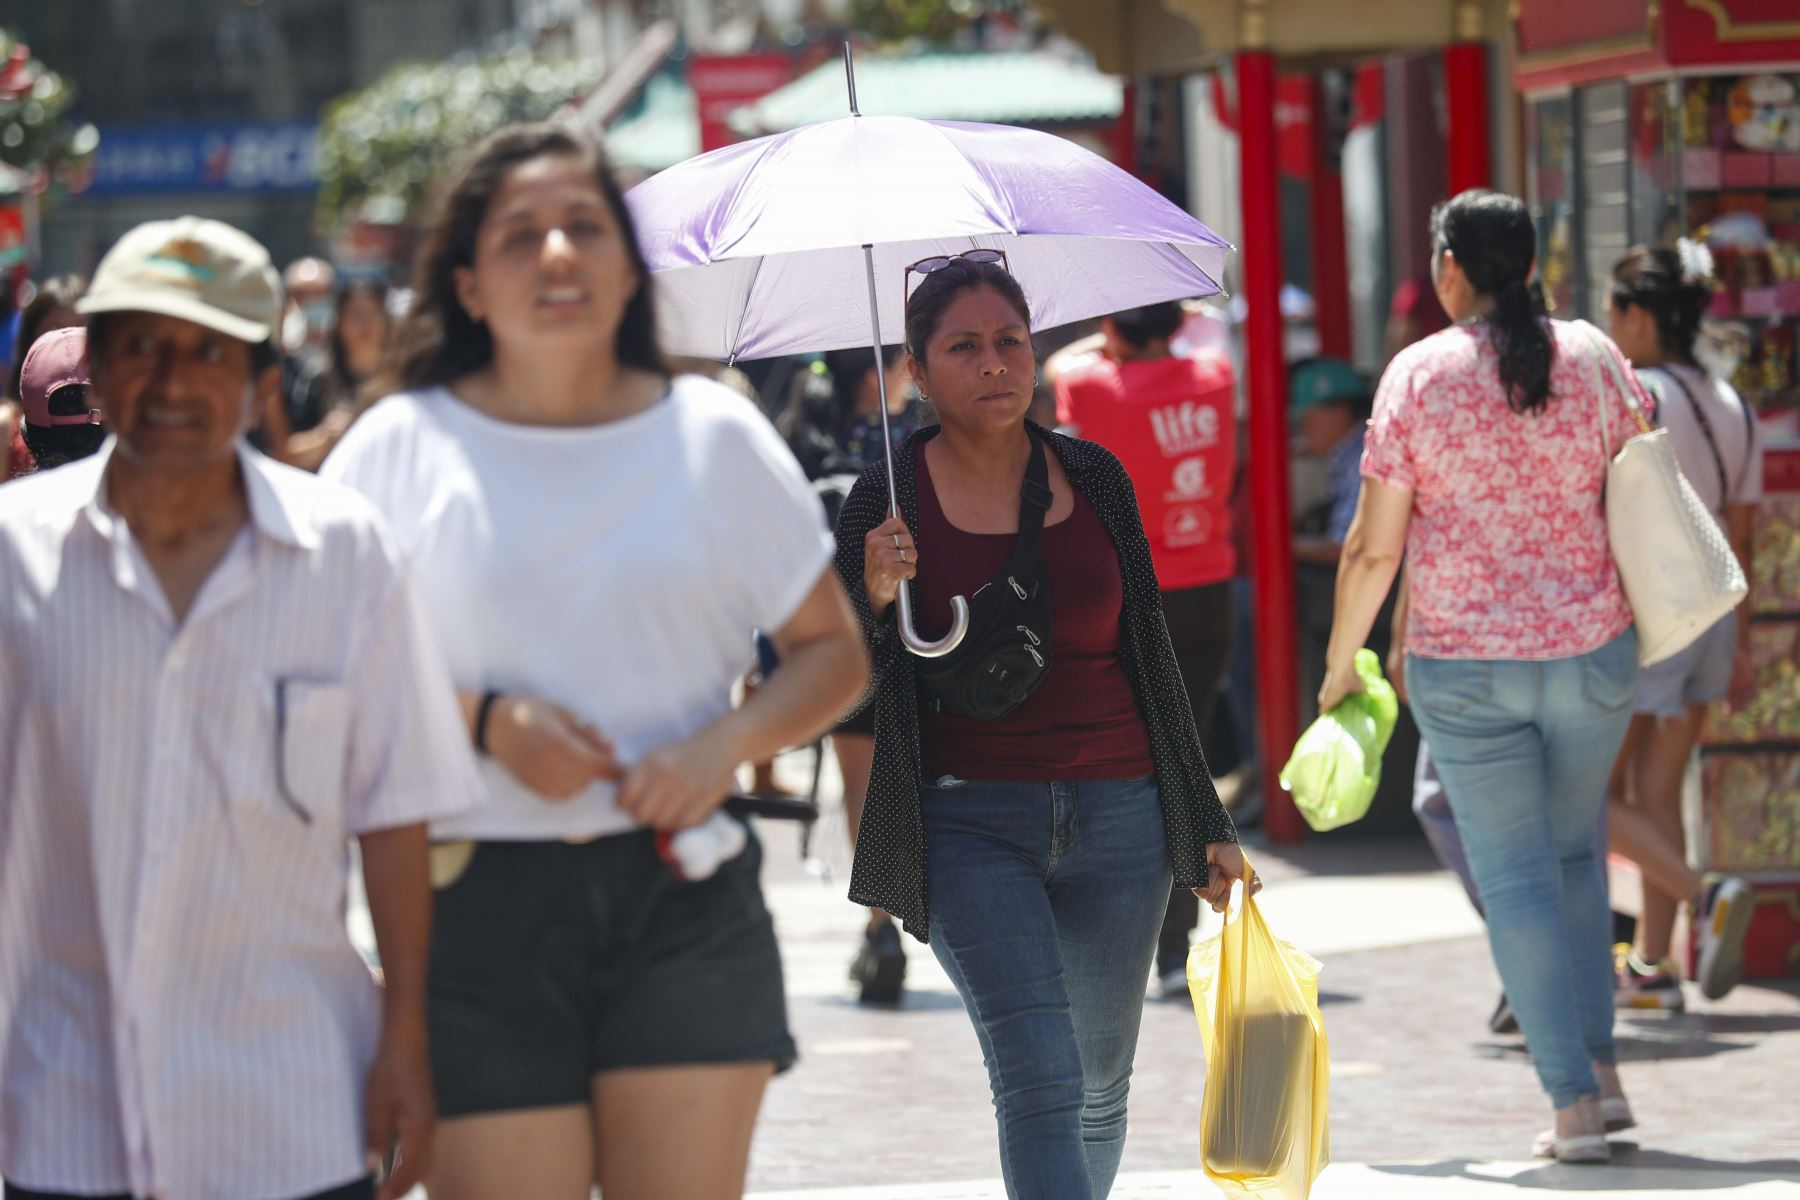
{"x": 1035, "y": 498}
{"x": 1604, "y": 361}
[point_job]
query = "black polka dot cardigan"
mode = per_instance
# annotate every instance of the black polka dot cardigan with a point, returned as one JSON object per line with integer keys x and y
{"x": 889, "y": 872}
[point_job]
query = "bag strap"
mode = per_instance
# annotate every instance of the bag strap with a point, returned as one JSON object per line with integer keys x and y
{"x": 1603, "y": 353}
{"x": 1035, "y": 496}
{"x": 1712, "y": 442}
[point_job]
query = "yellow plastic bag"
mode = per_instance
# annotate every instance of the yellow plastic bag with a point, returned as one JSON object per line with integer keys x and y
{"x": 1263, "y": 1121}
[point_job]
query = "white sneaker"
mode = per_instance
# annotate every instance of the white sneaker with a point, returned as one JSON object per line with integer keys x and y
{"x": 1723, "y": 919}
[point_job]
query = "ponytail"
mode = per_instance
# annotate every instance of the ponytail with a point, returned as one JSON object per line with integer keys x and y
{"x": 1495, "y": 243}
{"x": 1524, "y": 345}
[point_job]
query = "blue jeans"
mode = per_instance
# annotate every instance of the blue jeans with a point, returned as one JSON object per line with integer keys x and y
{"x": 1525, "y": 750}
{"x": 1046, "y": 900}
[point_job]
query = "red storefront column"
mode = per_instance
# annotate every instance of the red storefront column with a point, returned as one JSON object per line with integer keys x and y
{"x": 1466, "y": 93}
{"x": 1271, "y": 533}
{"x": 1330, "y": 262}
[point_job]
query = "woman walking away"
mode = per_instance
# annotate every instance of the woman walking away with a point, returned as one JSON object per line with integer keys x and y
{"x": 1031, "y": 831}
{"x": 1654, "y": 310}
{"x": 598, "y": 541}
{"x": 833, "y": 425}
{"x": 1484, "y": 465}
{"x": 1172, "y": 420}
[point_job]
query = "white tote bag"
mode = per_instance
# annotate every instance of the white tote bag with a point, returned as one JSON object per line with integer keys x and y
{"x": 1679, "y": 573}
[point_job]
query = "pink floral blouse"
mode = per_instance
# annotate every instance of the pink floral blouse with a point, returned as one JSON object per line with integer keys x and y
{"x": 1507, "y": 549}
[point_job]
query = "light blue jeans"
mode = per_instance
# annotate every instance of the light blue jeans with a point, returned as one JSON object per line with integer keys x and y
{"x": 1046, "y": 901}
{"x": 1525, "y": 750}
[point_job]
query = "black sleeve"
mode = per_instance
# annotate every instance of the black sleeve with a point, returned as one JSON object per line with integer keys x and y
{"x": 865, "y": 508}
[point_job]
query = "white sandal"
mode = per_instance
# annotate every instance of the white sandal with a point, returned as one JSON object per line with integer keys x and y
{"x": 1576, "y": 1151}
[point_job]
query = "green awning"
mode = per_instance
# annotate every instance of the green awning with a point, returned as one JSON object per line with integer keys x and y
{"x": 662, "y": 130}
{"x": 1009, "y": 89}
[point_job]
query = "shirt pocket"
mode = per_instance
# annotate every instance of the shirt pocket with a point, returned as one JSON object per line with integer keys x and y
{"x": 312, "y": 726}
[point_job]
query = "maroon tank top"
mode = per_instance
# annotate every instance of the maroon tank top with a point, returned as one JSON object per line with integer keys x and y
{"x": 1083, "y": 722}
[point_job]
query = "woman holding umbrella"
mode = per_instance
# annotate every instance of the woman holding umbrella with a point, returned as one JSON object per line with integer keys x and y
{"x": 597, "y": 541}
{"x": 1034, "y": 851}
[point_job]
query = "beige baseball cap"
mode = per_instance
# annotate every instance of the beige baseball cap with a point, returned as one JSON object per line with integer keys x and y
{"x": 193, "y": 268}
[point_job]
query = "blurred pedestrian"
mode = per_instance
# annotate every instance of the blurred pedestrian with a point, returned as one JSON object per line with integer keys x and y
{"x": 970, "y": 826}
{"x": 51, "y": 307}
{"x": 1484, "y": 468}
{"x": 59, "y": 422}
{"x": 1172, "y": 421}
{"x": 306, "y": 322}
{"x": 1328, "y": 406}
{"x": 181, "y": 1010}
{"x": 1657, "y": 300}
{"x": 331, "y": 389}
{"x": 598, "y": 541}
{"x": 833, "y": 425}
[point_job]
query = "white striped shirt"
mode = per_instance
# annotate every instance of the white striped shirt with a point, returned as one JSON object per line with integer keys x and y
{"x": 181, "y": 1012}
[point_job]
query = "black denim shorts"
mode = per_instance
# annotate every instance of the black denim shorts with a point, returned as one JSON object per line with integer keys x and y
{"x": 552, "y": 962}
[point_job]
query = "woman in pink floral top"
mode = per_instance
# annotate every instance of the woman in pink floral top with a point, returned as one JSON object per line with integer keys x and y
{"x": 1484, "y": 467}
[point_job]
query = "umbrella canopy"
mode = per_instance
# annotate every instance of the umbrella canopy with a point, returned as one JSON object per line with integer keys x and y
{"x": 758, "y": 248}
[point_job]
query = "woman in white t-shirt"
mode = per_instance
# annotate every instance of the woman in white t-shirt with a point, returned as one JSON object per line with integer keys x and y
{"x": 597, "y": 542}
{"x": 1657, "y": 300}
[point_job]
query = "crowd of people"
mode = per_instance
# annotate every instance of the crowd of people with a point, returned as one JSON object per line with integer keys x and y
{"x": 466, "y": 576}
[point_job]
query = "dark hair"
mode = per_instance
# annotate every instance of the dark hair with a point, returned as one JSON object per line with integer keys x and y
{"x": 1495, "y": 243}
{"x": 1151, "y": 323}
{"x": 925, "y": 307}
{"x": 821, "y": 401}
{"x": 1653, "y": 278}
{"x": 54, "y": 445}
{"x": 437, "y": 341}
{"x": 263, "y": 354}
{"x": 60, "y": 291}
{"x": 845, "y": 371}
{"x": 338, "y": 364}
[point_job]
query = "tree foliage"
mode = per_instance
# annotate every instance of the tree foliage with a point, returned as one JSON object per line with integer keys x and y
{"x": 35, "y": 132}
{"x": 928, "y": 20}
{"x": 386, "y": 145}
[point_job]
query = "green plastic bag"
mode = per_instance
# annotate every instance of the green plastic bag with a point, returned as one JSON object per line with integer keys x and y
{"x": 1336, "y": 765}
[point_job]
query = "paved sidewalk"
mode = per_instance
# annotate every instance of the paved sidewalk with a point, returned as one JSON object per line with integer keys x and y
{"x": 892, "y": 1104}
{"x": 1395, "y": 1181}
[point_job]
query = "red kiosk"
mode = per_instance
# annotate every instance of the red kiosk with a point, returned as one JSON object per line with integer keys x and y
{"x": 1648, "y": 120}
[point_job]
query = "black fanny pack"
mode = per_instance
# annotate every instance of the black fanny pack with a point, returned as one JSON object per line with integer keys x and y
{"x": 1006, "y": 653}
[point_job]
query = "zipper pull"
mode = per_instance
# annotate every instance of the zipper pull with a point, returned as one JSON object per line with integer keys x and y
{"x": 1026, "y": 630}
{"x": 1019, "y": 591}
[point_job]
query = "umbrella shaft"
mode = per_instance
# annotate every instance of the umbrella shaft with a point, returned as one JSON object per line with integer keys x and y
{"x": 887, "y": 437}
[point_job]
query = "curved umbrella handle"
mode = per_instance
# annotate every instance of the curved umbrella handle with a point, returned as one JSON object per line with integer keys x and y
{"x": 959, "y": 626}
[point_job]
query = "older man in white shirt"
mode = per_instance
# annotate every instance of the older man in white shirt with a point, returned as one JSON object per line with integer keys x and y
{"x": 213, "y": 674}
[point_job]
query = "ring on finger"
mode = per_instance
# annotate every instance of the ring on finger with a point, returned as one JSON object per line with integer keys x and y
{"x": 896, "y": 538}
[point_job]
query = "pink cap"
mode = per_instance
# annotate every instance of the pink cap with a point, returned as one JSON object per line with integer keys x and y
{"x": 55, "y": 361}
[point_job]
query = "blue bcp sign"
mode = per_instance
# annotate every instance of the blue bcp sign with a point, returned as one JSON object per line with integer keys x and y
{"x": 206, "y": 158}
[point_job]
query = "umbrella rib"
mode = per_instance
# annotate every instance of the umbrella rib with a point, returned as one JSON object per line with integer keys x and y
{"x": 716, "y": 254}
{"x": 1219, "y": 287}
{"x": 737, "y": 335}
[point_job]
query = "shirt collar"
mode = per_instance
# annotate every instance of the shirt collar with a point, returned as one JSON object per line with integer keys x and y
{"x": 277, "y": 509}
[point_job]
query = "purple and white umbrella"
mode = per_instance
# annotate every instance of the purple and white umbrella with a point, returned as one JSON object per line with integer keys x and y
{"x": 799, "y": 242}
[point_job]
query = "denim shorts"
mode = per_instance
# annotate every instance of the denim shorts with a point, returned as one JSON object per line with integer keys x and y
{"x": 553, "y": 961}
{"x": 1700, "y": 674}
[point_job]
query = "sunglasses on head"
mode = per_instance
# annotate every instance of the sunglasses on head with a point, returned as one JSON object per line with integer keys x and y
{"x": 938, "y": 262}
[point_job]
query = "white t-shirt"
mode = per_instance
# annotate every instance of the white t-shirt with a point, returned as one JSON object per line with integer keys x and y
{"x": 618, "y": 569}
{"x": 1734, "y": 428}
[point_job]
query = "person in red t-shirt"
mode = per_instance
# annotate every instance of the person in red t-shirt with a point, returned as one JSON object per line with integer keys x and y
{"x": 1172, "y": 420}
